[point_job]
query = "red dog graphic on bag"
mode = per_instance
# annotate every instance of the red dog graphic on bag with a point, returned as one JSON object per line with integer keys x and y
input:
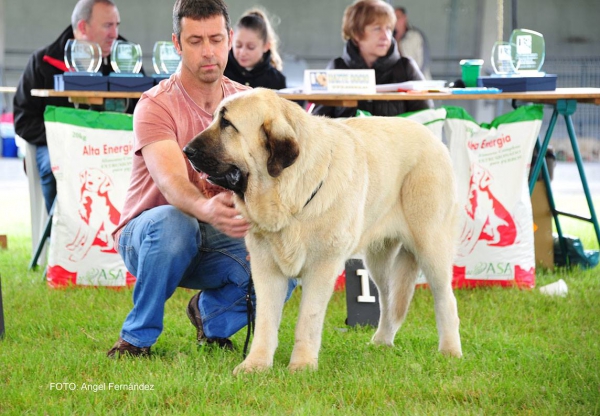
{"x": 98, "y": 215}
{"x": 487, "y": 219}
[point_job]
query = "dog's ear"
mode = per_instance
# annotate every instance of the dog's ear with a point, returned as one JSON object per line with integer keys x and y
{"x": 486, "y": 179}
{"x": 281, "y": 144}
{"x": 105, "y": 185}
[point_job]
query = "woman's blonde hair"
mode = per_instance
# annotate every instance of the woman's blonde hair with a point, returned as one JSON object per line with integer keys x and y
{"x": 256, "y": 19}
{"x": 362, "y": 13}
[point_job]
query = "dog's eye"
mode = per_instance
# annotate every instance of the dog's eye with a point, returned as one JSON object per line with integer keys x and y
{"x": 226, "y": 123}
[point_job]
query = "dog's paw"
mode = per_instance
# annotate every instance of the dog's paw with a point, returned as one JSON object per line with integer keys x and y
{"x": 451, "y": 348}
{"x": 301, "y": 366}
{"x": 456, "y": 353}
{"x": 250, "y": 367}
{"x": 381, "y": 339}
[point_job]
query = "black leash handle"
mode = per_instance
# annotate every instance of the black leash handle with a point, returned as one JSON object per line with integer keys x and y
{"x": 250, "y": 315}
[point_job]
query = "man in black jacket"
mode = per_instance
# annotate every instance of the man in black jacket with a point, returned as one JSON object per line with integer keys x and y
{"x": 92, "y": 20}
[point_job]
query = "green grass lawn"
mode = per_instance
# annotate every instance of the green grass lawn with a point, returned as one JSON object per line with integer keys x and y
{"x": 524, "y": 353}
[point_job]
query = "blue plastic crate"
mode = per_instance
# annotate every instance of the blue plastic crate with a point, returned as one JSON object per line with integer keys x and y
{"x": 9, "y": 147}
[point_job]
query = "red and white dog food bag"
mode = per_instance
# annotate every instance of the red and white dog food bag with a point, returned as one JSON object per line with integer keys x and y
{"x": 491, "y": 163}
{"x": 91, "y": 154}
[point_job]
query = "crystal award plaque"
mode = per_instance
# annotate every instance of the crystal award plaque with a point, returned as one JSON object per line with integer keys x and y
{"x": 126, "y": 57}
{"x": 165, "y": 58}
{"x": 528, "y": 51}
{"x": 82, "y": 56}
{"x": 502, "y": 60}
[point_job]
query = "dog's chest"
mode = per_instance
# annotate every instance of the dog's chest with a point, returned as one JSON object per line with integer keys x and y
{"x": 287, "y": 252}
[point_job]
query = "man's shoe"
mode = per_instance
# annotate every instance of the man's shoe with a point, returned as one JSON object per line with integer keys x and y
{"x": 223, "y": 343}
{"x": 193, "y": 313}
{"x": 123, "y": 347}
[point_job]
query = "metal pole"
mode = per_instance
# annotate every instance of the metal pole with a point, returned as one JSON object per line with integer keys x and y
{"x": 513, "y": 11}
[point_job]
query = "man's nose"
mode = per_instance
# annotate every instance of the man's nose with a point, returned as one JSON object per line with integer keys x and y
{"x": 206, "y": 49}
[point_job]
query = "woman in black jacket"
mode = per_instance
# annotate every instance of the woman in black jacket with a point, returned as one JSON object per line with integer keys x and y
{"x": 254, "y": 60}
{"x": 367, "y": 28}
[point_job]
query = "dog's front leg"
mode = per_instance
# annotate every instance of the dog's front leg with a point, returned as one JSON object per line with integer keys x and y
{"x": 270, "y": 297}
{"x": 317, "y": 288}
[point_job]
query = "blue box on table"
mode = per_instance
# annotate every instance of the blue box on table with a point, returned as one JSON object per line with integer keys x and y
{"x": 80, "y": 81}
{"x": 519, "y": 83}
{"x": 129, "y": 82}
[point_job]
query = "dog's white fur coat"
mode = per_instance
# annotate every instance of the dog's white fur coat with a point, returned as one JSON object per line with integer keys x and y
{"x": 384, "y": 188}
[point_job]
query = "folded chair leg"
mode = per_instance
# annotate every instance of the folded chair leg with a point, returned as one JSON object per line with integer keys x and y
{"x": 43, "y": 239}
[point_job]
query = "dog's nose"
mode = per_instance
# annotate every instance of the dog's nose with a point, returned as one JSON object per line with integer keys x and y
{"x": 189, "y": 151}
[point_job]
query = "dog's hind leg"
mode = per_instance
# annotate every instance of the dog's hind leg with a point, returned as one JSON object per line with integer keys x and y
{"x": 394, "y": 271}
{"x": 436, "y": 262}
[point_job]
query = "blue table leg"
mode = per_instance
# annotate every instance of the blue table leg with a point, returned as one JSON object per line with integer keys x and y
{"x": 550, "y": 197}
{"x": 566, "y": 108}
{"x": 543, "y": 147}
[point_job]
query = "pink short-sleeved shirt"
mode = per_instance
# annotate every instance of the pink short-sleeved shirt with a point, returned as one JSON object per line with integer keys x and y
{"x": 165, "y": 112}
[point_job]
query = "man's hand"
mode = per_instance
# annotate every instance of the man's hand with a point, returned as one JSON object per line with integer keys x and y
{"x": 220, "y": 212}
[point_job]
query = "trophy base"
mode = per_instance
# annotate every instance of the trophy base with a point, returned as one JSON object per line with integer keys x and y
{"x": 518, "y": 83}
{"x": 129, "y": 82}
{"x": 80, "y": 81}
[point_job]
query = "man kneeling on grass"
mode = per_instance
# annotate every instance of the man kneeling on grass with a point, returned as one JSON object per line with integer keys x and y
{"x": 176, "y": 228}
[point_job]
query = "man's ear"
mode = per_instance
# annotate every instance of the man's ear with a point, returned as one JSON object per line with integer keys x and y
{"x": 176, "y": 43}
{"x": 281, "y": 144}
{"x": 81, "y": 28}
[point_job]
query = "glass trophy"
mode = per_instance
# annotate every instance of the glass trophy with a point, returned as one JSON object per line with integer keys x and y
{"x": 502, "y": 60}
{"x": 528, "y": 51}
{"x": 82, "y": 56}
{"x": 126, "y": 57}
{"x": 165, "y": 58}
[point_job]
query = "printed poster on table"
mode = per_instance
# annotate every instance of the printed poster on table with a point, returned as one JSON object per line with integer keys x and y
{"x": 91, "y": 155}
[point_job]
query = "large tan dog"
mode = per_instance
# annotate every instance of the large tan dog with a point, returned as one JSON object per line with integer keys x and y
{"x": 317, "y": 191}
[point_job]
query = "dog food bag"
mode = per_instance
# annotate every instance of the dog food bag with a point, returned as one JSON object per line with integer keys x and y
{"x": 91, "y": 155}
{"x": 492, "y": 162}
{"x": 433, "y": 119}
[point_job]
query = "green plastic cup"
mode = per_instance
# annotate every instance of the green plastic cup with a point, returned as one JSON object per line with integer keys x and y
{"x": 470, "y": 71}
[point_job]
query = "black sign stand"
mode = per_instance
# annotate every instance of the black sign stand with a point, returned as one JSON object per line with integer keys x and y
{"x": 362, "y": 298}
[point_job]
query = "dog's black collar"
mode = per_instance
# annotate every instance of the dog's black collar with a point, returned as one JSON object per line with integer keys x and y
{"x": 319, "y": 186}
{"x": 313, "y": 194}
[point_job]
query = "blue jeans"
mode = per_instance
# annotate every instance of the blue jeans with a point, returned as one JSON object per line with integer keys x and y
{"x": 42, "y": 157}
{"x": 165, "y": 248}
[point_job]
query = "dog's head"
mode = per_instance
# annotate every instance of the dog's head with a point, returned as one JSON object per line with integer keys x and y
{"x": 480, "y": 177}
{"x": 95, "y": 180}
{"x": 251, "y": 134}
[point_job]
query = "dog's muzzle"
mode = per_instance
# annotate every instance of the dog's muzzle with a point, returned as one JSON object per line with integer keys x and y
{"x": 226, "y": 176}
